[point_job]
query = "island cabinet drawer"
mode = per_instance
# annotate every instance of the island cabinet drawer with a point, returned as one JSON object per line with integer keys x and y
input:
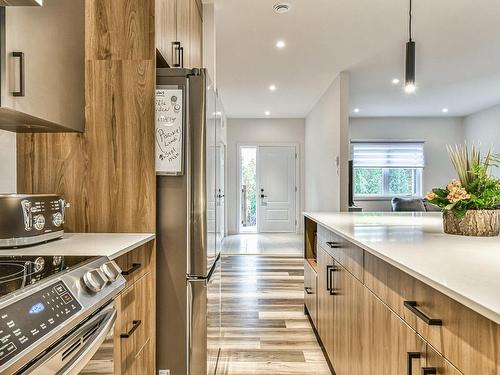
{"x": 465, "y": 338}
{"x": 136, "y": 263}
{"x": 310, "y": 290}
{"x": 346, "y": 253}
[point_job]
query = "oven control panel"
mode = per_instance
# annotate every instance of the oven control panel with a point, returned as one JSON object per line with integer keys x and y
{"x": 29, "y": 319}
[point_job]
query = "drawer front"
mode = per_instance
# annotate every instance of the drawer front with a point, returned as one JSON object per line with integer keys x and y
{"x": 436, "y": 361}
{"x": 468, "y": 340}
{"x": 136, "y": 263}
{"x": 310, "y": 290}
{"x": 347, "y": 254}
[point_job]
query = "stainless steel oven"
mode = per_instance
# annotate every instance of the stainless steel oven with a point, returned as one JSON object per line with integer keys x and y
{"x": 63, "y": 322}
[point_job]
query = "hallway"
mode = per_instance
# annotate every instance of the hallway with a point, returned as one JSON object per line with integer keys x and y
{"x": 273, "y": 244}
{"x": 264, "y": 329}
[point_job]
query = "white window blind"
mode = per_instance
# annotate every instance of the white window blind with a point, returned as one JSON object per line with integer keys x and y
{"x": 387, "y": 154}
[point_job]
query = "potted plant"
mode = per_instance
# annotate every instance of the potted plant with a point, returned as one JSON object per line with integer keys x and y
{"x": 470, "y": 203}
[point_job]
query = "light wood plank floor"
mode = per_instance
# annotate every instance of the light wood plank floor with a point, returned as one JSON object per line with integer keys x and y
{"x": 264, "y": 329}
{"x": 285, "y": 244}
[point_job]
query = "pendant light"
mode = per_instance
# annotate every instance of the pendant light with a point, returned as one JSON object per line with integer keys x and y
{"x": 410, "y": 85}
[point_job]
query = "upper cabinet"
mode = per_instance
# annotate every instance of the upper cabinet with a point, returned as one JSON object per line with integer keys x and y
{"x": 42, "y": 66}
{"x": 179, "y": 29}
{"x": 5, "y": 3}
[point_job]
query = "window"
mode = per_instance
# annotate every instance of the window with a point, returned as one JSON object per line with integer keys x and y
{"x": 387, "y": 169}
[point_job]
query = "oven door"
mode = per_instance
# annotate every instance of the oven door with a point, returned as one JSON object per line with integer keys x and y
{"x": 88, "y": 349}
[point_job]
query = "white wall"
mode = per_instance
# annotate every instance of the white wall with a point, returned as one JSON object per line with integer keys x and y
{"x": 258, "y": 131}
{"x": 437, "y": 133}
{"x": 326, "y": 145}
{"x": 484, "y": 128}
{"x": 7, "y": 162}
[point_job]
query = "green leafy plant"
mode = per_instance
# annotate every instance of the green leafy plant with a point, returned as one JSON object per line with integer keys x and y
{"x": 475, "y": 188}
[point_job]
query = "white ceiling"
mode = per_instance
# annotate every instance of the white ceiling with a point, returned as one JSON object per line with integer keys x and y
{"x": 458, "y": 55}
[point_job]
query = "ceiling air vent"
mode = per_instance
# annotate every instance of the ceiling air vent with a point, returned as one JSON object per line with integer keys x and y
{"x": 281, "y": 7}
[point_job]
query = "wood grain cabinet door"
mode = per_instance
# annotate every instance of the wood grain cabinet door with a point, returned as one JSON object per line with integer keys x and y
{"x": 166, "y": 28}
{"x": 184, "y": 29}
{"x": 436, "y": 361}
{"x": 325, "y": 301}
{"x": 196, "y": 36}
{"x": 390, "y": 346}
{"x": 310, "y": 292}
{"x": 348, "y": 327}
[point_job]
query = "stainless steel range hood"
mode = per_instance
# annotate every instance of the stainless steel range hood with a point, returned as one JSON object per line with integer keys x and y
{"x": 42, "y": 66}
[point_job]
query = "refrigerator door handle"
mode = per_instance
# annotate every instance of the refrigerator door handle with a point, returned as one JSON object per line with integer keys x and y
{"x": 205, "y": 279}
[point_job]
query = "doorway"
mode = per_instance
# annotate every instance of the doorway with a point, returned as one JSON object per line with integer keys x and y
{"x": 268, "y": 195}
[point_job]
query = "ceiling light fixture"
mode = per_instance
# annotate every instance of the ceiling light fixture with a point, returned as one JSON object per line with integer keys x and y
{"x": 356, "y": 110}
{"x": 272, "y": 88}
{"x": 280, "y": 44}
{"x": 281, "y": 8}
{"x": 267, "y": 113}
{"x": 395, "y": 81}
{"x": 410, "y": 86}
{"x": 445, "y": 110}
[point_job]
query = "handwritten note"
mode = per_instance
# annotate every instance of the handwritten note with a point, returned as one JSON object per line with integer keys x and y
{"x": 169, "y": 132}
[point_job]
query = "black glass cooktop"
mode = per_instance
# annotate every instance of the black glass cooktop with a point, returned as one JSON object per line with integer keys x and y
{"x": 17, "y": 272}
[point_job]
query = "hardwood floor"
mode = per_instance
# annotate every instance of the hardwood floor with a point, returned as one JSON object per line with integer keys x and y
{"x": 284, "y": 244}
{"x": 264, "y": 329}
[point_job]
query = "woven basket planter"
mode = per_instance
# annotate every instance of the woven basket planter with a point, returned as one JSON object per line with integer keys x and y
{"x": 480, "y": 223}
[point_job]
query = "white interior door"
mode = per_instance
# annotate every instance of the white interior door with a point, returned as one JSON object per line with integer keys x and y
{"x": 276, "y": 192}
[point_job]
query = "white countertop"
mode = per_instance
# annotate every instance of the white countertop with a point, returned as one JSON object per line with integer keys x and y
{"x": 111, "y": 245}
{"x": 466, "y": 269}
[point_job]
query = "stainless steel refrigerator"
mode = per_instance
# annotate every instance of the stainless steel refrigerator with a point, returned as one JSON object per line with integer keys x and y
{"x": 188, "y": 257}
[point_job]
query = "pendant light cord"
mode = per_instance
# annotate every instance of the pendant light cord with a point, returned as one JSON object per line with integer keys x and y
{"x": 410, "y": 23}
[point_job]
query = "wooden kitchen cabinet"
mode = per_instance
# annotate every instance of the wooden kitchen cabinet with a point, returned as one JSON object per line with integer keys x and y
{"x": 348, "y": 327}
{"x": 325, "y": 301}
{"x": 310, "y": 290}
{"x": 388, "y": 342}
{"x": 166, "y": 28}
{"x": 437, "y": 361}
{"x": 135, "y": 326}
{"x": 180, "y": 21}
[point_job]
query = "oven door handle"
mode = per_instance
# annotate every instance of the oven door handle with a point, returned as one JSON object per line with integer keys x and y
{"x": 79, "y": 361}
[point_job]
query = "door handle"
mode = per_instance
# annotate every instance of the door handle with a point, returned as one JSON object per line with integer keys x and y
{"x": 332, "y": 287}
{"x": 135, "y": 325}
{"x": 334, "y": 245}
{"x": 410, "y": 356}
{"x": 182, "y": 56}
{"x": 176, "y": 47}
{"x": 308, "y": 290}
{"x": 429, "y": 371}
{"x": 130, "y": 271}
{"x": 413, "y": 307}
{"x": 22, "y": 85}
{"x": 263, "y": 196}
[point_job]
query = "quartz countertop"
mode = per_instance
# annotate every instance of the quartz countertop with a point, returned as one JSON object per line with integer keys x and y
{"x": 111, "y": 245}
{"x": 466, "y": 269}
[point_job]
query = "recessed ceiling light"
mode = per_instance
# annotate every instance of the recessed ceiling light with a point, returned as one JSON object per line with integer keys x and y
{"x": 272, "y": 88}
{"x": 356, "y": 110}
{"x": 444, "y": 110}
{"x": 281, "y": 8}
{"x": 280, "y": 44}
{"x": 395, "y": 81}
{"x": 267, "y": 113}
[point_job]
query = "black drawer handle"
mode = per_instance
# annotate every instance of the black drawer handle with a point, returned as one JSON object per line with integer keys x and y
{"x": 332, "y": 287}
{"x": 413, "y": 307}
{"x": 22, "y": 86}
{"x": 135, "y": 267}
{"x": 308, "y": 290}
{"x": 410, "y": 357}
{"x": 135, "y": 325}
{"x": 334, "y": 245}
{"x": 328, "y": 278}
{"x": 429, "y": 371}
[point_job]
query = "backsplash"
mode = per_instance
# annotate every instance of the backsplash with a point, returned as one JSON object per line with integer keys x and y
{"x": 7, "y": 162}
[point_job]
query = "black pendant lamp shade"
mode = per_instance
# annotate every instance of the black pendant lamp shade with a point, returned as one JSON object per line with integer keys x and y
{"x": 410, "y": 58}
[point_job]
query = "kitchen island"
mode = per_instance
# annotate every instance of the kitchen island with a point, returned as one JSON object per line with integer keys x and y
{"x": 390, "y": 293}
